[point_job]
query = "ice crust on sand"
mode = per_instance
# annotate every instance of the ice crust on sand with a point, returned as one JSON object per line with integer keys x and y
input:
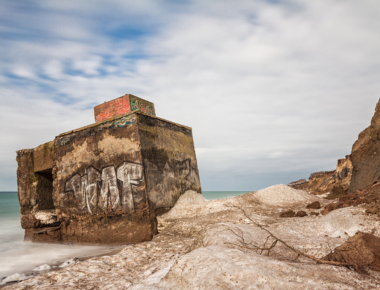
{"x": 69, "y": 263}
{"x": 201, "y": 246}
{"x": 190, "y": 197}
{"x": 15, "y": 278}
{"x": 43, "y": 267}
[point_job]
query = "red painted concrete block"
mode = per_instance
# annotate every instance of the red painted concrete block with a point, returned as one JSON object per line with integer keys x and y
{"x": 122, "y": 105}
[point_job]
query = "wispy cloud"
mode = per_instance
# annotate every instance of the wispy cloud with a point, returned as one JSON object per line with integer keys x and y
{"x": 273, "y": 89}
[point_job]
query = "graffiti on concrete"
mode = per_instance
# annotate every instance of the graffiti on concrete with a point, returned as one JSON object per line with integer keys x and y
{"x": 125, "y": 121}
{"x": 143, "y": 106}
{"x": 107, "y": 189}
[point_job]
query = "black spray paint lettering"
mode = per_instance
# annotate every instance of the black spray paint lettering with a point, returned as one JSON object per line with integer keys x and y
{"x": 86, "y": 187}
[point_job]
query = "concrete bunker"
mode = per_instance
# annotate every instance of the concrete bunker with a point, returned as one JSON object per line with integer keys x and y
{"x": 106, "y": 182}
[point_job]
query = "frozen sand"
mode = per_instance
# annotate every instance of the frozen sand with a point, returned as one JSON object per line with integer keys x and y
{"x": 198, "y": 248}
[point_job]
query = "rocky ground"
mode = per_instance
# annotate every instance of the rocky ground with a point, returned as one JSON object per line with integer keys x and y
{"x": 369, "y": 197}
{"x": 227, "y": 244}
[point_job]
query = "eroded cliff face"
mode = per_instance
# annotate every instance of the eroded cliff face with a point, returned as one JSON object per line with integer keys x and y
{"x": 337, "y": 182}
{"x": 321, "y": 182}
{"x": 365, "y": 155}
{"x": 357, "y": 171}
{"x": 343, "y": 176}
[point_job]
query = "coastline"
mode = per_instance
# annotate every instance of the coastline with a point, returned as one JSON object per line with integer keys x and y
{"x": 56, "y": 266}
{"x": 199, "y": 245}
{"x": 211, "y": 195}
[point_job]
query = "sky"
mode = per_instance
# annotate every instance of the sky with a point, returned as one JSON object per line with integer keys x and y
{"x": 274, "y": 90}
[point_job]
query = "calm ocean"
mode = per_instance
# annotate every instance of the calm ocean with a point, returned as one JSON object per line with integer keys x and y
{"x": 18, "y": 256}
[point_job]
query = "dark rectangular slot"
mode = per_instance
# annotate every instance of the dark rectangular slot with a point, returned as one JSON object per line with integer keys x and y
{"x": 45, "y": 189}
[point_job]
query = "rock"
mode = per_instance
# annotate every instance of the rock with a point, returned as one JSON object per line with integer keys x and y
{"x": 321, "y": 182}
{"x": 365, "y": 155}
{"x": 336, "y": 192}
{"x": 369, "y": 196}
{"x": 288, "y": 213}
{"x": 301, "y": 213}
{"x": 343, "y": 172}
{"x": 314, "y": 205}
{"x": 363, "y": 250}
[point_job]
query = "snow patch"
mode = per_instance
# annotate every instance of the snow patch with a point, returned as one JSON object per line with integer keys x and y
{"x": 42, "y": 268}
{"x": 283, "y": 195}
{"x": 69, "y": 263}
{"x": 16, "y": 278}
{"x": 191, "y": 197}
{"x": 156, "y": 277}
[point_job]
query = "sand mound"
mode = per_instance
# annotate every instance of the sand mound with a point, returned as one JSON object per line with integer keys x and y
{"x": 190, "y": 197}
{"x": 283, "y": 195}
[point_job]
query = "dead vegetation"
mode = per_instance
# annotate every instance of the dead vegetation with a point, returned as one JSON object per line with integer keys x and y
{"x": 358, "y": 253}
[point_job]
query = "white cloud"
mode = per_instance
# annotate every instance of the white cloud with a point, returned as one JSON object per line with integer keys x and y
{"x": 272, "y": 91}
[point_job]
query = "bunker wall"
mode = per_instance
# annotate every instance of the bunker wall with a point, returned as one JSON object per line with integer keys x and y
{"x": 100, "y": 184}
{"x": 169, "y": 160}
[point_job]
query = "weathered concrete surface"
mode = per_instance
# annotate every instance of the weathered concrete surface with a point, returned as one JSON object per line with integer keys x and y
{"x": 170, "y": 162}
{"x": 211, "y": 245}
{"x": 365, "y": 155}
{"x": 122, "y": 105}
{"x": 34, "y": 189}
{"x": 106, "y": 182}
{"x": 43, "y": 157}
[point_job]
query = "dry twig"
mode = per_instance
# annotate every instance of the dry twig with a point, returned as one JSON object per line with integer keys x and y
{"x": 277, "y": 239}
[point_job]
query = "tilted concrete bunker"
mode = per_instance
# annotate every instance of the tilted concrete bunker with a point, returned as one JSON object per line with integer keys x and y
{"x": 106, "y": 182}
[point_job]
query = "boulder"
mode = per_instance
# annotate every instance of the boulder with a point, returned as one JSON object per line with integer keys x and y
{"x": 363, "y": 249}
{"x": 314, "y": 205}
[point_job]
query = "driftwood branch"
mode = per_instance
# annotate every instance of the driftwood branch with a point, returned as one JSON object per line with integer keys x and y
{"x": 278, "y": 240}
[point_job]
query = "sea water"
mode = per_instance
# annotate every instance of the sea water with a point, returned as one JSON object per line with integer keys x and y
{"x": 17, "y": 256}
